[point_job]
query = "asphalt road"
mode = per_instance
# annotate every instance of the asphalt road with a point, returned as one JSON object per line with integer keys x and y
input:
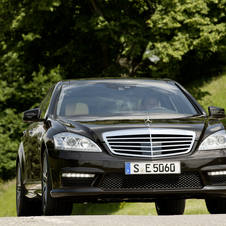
{"x": 117, "y": 220}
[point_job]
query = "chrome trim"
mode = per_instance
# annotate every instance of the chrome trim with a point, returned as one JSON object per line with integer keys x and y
{"x": 130, "y": 144}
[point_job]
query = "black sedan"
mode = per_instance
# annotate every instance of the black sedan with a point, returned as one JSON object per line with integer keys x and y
{"x": 115, "y": 140}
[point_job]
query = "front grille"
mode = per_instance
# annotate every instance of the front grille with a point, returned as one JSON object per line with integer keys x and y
{"x": 149, "y": 142}
{"x": 187, "y": 180}
{"x": 76, "y": 182}
{"x": 218, "y": 179}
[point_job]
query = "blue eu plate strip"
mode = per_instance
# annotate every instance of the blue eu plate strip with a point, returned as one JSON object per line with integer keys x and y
{"x": 127, "y": 168}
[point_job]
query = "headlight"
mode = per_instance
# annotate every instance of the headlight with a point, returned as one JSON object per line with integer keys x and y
{"x": 74, "y": 142}
{"x": 214, "y": 141}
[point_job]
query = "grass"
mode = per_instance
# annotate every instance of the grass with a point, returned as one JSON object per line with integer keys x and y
{"x": 8, "y": 199}
{"x": 217, "y": 90}
{"x": 193, "y": 206}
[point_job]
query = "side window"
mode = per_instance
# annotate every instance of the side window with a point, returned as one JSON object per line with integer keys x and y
{"x": 44, "y": 105}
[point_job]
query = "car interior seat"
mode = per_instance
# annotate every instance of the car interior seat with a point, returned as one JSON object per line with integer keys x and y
{"x": 76, "y": 109}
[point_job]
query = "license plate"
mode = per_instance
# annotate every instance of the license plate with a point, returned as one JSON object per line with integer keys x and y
{"x": 152, "y": 168}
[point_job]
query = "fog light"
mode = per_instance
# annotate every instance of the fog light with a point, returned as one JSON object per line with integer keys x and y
{"x": 78, "y": 175}
{"x": 217, "y": 173}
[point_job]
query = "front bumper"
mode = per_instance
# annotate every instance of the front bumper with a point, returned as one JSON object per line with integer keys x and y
{"x": 194, "y": 181}
{"x": 96, "y": 195}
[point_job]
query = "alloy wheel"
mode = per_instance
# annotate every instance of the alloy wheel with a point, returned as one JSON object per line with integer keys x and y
{"x": 44, "y": 183}
{"x": 18, "y": 188}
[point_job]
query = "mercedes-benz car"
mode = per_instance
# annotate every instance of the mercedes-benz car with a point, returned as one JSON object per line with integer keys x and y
{"x": 120, "y": 140}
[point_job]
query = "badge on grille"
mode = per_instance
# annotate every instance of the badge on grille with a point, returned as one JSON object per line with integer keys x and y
{"x": 148, "y": 121}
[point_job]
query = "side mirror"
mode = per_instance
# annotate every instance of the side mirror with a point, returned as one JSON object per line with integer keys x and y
{"x": 32, "y": 115}
{"x": 216, "y": 112}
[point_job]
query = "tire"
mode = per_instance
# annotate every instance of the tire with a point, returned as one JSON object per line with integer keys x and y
{"x": 170, "y": 207}
{"x": 216, "y": 206}
{"x": 24, "y": 206}
{"x": 51, "y": 206}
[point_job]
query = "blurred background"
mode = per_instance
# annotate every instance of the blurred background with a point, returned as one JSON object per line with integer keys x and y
{"x": 42, "y": 42}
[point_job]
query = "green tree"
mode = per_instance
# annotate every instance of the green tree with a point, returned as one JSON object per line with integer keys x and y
{"x": 189, "y": 38}
{"x": 86, "y": 38}
{"x": 116, "y": 38}
{"x": 15, "y": 97}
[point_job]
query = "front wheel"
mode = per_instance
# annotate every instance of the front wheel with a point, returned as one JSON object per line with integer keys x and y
{"x": 170, "y": 207}
{"x": 51, "y": 206}
{"x": 24, "y": 206}
{"x": 216, "y": 206}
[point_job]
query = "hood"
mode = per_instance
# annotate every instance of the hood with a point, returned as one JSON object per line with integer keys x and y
{"x": 93, "y": 129}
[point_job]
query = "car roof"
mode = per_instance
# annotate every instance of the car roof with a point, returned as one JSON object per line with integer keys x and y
{"x": 117, "y": 79}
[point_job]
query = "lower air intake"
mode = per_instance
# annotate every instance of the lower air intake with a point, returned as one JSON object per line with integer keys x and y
{"x": 76, "y": 182}
{"x": 187, "y": 180}
{"x": 218, "y": 179}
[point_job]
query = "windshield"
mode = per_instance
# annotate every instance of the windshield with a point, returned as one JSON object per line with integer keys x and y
{"x": 123, "y": 97}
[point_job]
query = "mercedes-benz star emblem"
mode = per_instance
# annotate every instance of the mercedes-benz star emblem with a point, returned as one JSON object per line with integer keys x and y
{"x": 147, "y": 121}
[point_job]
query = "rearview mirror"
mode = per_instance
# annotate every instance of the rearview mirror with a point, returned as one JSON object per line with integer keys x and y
{"x": 32, "y": 115}
{"x": 216, "y": 112}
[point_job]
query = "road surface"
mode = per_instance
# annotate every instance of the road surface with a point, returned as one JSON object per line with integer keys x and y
{"x": 117, "y": 220}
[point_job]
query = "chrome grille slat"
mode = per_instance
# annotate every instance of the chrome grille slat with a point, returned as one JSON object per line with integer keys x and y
{"x": 172, "y": 138}
{"x": 130, "y": 146}
{"x": 157, "y": 142}
{"x": 168, "y": 150}
{"x": 138, "y": 138}
{"x": 181, "y": 145}
{"x": 130, "y": 142}
{"x": 129, "y": 150}
{"x": 150, "y": 142}
{"x": 185, "y": 145}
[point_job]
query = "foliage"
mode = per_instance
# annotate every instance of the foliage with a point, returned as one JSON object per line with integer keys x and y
{"x": 86, "y": 38}
{"x": 189, "y": 38}
{"x": 18, "y": 97}
{"x": 174, "y": 39}
{"x": 44, "y": 41}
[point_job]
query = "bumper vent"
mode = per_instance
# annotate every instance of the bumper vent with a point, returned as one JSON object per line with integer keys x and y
{"x": 76, "y": 182}
{"x": 150, "y": 142}
{"x": 220, "y": 179}
{"x": 115, "y": 181}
